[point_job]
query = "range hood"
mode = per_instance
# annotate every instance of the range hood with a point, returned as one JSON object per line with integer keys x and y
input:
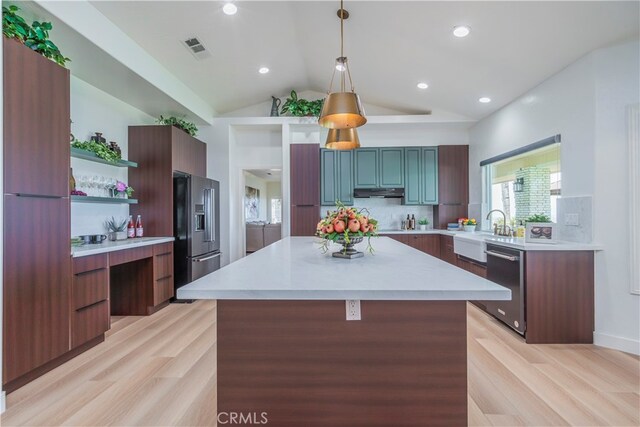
{"x": 380, "y": 193}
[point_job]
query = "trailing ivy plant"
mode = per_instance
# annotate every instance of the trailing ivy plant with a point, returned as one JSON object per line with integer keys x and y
{"x": 538, "y": 218}
{"x": 34, "y": 36}
{"x": 301, "y": 107}
{"x": 99, "y": 149}
{"x": 182, "y": 124}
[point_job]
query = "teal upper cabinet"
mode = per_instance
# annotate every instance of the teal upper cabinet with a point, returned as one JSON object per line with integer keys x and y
{"x": 379, "y": 167}
{"x": 344, "y": 167}
{"x": 391, "y": 167}
{"x": 429, "y": 178}
{"x": 365, "y": 164}
{"x": 328, "y": 176}
{"x": 421, "y": 175}
{"x": 336, "y": 177}
{"x": 413, "y": 174}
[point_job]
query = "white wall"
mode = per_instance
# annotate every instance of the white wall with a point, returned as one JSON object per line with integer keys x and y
{"x": 274, "y": 191}
{"x": 584, "y": 103}
{"x": 93, "y": 110}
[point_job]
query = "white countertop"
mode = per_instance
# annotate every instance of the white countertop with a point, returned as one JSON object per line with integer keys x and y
{"x": 510, "y": 242}
{"x": 109, "y": 246}
{"x": 295, "y": 268}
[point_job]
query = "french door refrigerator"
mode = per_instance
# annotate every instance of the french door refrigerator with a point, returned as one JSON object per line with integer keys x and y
{"x": 196, "y": 226}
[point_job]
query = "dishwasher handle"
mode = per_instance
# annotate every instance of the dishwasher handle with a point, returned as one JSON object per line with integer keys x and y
{"x": 512, "y": 258}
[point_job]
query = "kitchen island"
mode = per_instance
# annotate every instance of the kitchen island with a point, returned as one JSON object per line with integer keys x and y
{"x": 286, "y": 351}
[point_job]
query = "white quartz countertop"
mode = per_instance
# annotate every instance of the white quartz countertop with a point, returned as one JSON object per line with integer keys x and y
{"x": 295, "y": 268}
{"x": 510, "y": 242}
{"x": 109, "y": 246}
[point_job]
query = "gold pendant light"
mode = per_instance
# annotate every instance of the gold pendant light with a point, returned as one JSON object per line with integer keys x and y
{"x": 342, "y": 139}
{"x": 342, "y": 110}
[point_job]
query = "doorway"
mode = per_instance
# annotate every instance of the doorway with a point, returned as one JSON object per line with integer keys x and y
{"x": 262, "y": 208}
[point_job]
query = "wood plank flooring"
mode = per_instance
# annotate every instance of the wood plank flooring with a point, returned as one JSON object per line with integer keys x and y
{"x": 161, "y": 371}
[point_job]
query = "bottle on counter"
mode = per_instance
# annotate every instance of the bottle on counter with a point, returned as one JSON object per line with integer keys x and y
{"x": 139, "y": 228}
{"x": 520, "y": 230}
{"x": 407, "y": 223}
{"x": 131, "y": 228}
{"x": 412, "y": 222}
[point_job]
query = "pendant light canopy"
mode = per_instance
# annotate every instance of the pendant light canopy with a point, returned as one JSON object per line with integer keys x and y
{"x": 342, "y": 110}
{"x": 342, "y": 139}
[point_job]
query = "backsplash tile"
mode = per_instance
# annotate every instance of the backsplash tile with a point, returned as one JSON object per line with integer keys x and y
{"x": 583, "y": 206}
{"x": 389, "y": 212}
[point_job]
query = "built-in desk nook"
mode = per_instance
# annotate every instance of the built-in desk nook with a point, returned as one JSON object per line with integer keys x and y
{"x": 127, "y": 278}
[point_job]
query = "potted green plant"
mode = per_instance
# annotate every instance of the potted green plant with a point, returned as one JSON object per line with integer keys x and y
{"x": 181, "y": 124}
{"x": 423, "y": 222}
{"x": 116, "y": 228}
{"x": 298, "y": 107}
{"x": 34, "y": 36}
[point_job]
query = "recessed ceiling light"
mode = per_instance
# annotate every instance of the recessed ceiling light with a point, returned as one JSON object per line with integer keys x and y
{"x": 484, "y": 100}
{"x": 230, "y": 8}
{"x": 461, "y": 31}
{"x": 263, "y": 70}
{"x": 422, "y": 85}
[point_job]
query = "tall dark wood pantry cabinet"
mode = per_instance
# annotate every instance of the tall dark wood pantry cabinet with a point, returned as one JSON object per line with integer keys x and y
{"x": 37, "y": 256}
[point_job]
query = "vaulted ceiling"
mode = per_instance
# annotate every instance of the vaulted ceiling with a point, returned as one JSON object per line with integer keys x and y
{"x": 391, "y": 45}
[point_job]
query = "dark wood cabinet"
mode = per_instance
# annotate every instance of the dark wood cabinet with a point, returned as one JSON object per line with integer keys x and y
{"x": 559, "y": 297}
{"x": 304, "y": 220}
{"x": 471, "y": 266}
{"x": 162, "y": 273}
{"x": 159, "y": 151}
{"x": 305, "y": 174}
{"x": 36, "y": 257}
{"x": 427, "y": 243}
{"x": 453, "y": 185}
{"x": 37, "y": 277}
{"x": 304, "y": 189}
{"x": 36, "y": 123}
{"x": 446, "y": 250}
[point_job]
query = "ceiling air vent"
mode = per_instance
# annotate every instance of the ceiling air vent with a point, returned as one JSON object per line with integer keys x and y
{"x": 196, "y": 48}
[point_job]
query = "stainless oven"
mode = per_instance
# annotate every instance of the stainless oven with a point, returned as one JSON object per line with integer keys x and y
{"x": 505, "y": 266}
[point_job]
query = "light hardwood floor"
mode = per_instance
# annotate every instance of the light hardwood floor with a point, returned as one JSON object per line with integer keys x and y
{"x": 161, "y": 370}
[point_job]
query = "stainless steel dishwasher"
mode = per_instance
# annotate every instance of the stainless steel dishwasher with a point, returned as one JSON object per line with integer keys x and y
{"x": 505, "y": 266}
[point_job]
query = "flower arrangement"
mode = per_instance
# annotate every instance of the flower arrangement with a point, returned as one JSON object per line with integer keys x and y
{"x": 469, "y": 221}
{"x": 346, "y": 225}
{"x": 123, "y": 188}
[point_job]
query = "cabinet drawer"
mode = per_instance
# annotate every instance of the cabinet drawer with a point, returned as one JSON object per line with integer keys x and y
{"x": 89, "y": 322}
{"x": 162, "y": 290}
{"x": 89, "y": 263}
{"x": 163, "y": 248}
{"x": 163, "y": 266}
{"x": 90, "y": 287}
{"x": 129, "y": 255}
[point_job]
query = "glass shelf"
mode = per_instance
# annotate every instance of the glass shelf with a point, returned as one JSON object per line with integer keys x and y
{"x": 108, "y": 200}
{"x": 88, "y": 155}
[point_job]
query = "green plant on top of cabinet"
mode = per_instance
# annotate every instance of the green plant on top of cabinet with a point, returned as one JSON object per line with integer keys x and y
{"x": 379, "y": 167}
{"x": 336, "y": 177}
{"x": 421, "y": 175}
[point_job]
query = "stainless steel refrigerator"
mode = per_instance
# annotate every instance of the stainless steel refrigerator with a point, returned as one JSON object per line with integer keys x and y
{"x": 196, "y": 226}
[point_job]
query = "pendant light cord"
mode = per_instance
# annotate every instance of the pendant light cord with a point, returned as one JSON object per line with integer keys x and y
{"x": 342, "y": 80}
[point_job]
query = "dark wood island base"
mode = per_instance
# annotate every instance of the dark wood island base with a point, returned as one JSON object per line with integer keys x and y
{"x": 302, "y": 364}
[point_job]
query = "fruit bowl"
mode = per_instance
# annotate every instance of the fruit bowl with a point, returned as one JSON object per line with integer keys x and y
{"x": 347, "y": 226}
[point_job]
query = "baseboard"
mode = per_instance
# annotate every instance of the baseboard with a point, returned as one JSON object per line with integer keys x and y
{"x": 617, "y": 343}
{"x": 3, "y": 405}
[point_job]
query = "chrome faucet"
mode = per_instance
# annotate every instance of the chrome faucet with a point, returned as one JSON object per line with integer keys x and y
{"x": 505, "y": 230}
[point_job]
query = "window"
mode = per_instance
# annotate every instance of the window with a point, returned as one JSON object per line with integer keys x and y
{"x": 276, "y": 211}
{"x": 524, "y": 184}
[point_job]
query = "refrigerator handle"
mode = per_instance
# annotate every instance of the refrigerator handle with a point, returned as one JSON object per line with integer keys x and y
{"x": 209, "y": 215}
